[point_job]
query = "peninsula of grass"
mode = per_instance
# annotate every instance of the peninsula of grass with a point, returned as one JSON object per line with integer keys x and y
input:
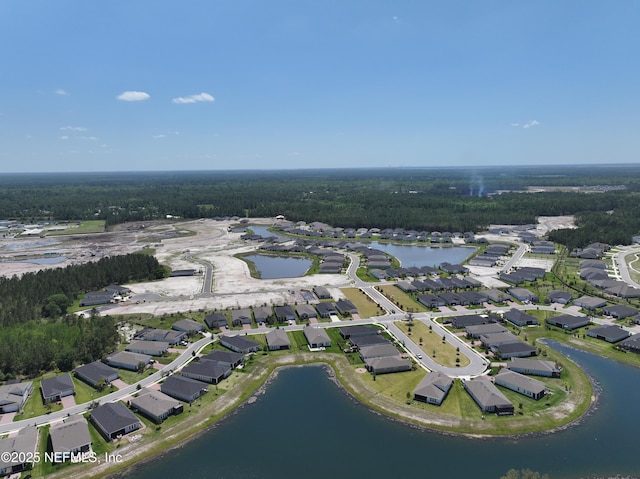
{"x": 401, "y": 299}
{"x": 432, "y": 345}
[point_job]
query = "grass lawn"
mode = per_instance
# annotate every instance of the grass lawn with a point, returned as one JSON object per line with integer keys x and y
{"x": 394, "y": 385}
{"x": 34, "y": 406}
{"x": 445, "y": 353}
{"x": 85, "y": 393}
{"x": 364, "y": 274}
{"x": 402, "y": 299}
{"x": 132, "y": 377}
{"x": 84, "y": 227}
{"x": 366, "y": 306}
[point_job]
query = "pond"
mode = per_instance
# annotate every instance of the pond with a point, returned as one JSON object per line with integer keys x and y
{"x": 274, "y": 267}
{"x": 415, "y": 255}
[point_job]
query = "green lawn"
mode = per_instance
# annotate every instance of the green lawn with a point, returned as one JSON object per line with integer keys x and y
{"x": 34, "y": 406}
{"x": 76, "y": 228}
{"x": 366, "y": 306}
{"x": 395, "y": 385}
{"x": 445, "y": 353}
{"x": 85, "y": 393}
{"x": 402, "y": 299}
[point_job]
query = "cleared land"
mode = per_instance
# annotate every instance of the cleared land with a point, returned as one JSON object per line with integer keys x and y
{"x": 431, "y": 343}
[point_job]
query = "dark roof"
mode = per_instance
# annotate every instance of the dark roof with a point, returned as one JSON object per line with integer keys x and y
{"x": 95, "y": 371}
{"x": 113, "y": 417}
{"x": 240, "y": 342}
{"x": 176, "y": 385}
{"x": 230, "y": 357}
{"x": 216, "y": 320}
{"x": 56, "y": 385}
{"x": 364, "y": 330}
{"x": 517, "y": 347}
{"x": 567, "y": 321}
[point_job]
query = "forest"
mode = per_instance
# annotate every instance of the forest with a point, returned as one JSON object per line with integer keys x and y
{"x": 453, "y": 199}
{"x": 37, "y": 334}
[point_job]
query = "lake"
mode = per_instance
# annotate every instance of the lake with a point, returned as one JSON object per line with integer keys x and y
{"x": 274, "y": 267}
{"x": 306, "y": 426}
{"x": 414, "y": 255}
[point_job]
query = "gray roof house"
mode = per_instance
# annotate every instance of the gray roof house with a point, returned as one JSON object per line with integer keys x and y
{"x": 521, "y": 384}
{"x": 239, "y": 344}
{"x": 566, "y": 321}
{"x": 229, "y": 358}
{"x": 162, "y": 335}
{"x": 387, "y": 364}
{"x": 364, "y": 341}
{"x": 520, "y": 318}
{"x": 433, "y": 388}
{"x": 477, "y": 330}
{"x": 321, "y": 292}
{"x": 284, "y": 313}
{"x": 128, "y": 360}
{"x": 610, "y": 333}
{"x": 277, "y": 339}
{"x": 95, "y": 298}
{"x": 631, "y": 344}
{"x": 348, "y": 332}
{"x": 431, "y": 300}
{"x": 619, "y": 311}
{"x": 514, "y": 350}
{"x": 207, "y": 371}
{"x": 495, "y": 295}
{"x": 155, "y": 405}
{"x": 346, "y": 307}
{"x": 13, "y": 396}
{"x": 21, "y": 449}
{"x": 589, "y": 302}
{"x": 240, "y": 317}
{"x": 326, "y": 309}
{"x": 470, "y": 320}
{"x": 316, "y": 337}
{"x": 488, "y": 397}
{"x": 187, "y": 325}
{"x": 152, "y": 348}
{"x": 96, "y": 371}
{"x": 262, "y": 313}
{"x": 535, "y": 367}
{"x": 378, "y": 351}
{"x": 498, "y": 339}
{"x": 183, "y": 388}
{"x": 114, "y": 420}
{"x": 216, "y": 321}
{"x": 523, "y": 294}
{"x": 306, "y": 311}
{"x": 558, "y": 296}
{"x": 70, "y": 437}
{"x": 55, "y": 388}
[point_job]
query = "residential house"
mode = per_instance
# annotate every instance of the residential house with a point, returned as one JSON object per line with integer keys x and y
{"x": 155, "y": 405}
{"x": 566, "y": 321}
{"x": 17, "y": 452}
{"x": 326, "y": 310}
{"x": 631, "y": 344}
{"x": 488, "y": 397}
{"x": 114, "y": 420}
{"x": 152, "y": 348}
{"x": 284, "y": 313}
{"x": 387, "y": 364}
{"x": 316, "y": 337}
{"x": 610, "y": 333}
{"x": 498, "y": 339}
{"x": 433, "y": 388}
{"x": 348, "y": 332}
{"x": 239, "y": 344}
{"x": 95, "y": 298}
{"x": 346, "y": 308}
{"x": 207, "y": 371}
{"x": 95, "y": 372}
{"x": 216, "y": 321}
{"x": 321, "y": 292}
{"x": 523, "y": 295}
{"x": 589, "y": 302}
{"x": 558, "y": 296}
{"x": 161, "y": 335}
{"x": 183, "y": 388}
{"x": 240, "y": 317}
{"x": 475, "y": 331}
{"x": 128, "y": 360}
{"x": 535, "y": 367}
{"x": 55, "y": 388}
{"x": 378, "y": 351}
{"x": 431, "y": 301}
{"x": 262, "y": 315}
{"x": 620, "y": 311}
{"x": 187, "y": 325}
{"x": 13, "y": 396}
{"x": 514, "y": 350}
{"x": 306, "y": 311}
{"x": 228, "y": 358}
{"x": 520, "y": 318}
{"x": 70, "y": 437}
{"x": 470, "y": 320}
{"x": 277, "y": 339}
{"x": 496, "y": 296}
{"x": 521, "y": 384}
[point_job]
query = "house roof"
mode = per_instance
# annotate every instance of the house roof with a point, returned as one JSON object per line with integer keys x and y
{"x": 128, "y": 358}
{"x": 181, "y": 386}
{"x": 207, "y": 368}
{"x": 517, "y": 316}
{"x": 620, "y": 311}
{"x": 13, "y": 393}
{"x": 230, "y": 357}
{"x": 316, "y": 335}
{"x": 151, "y": 347}
{"x": 261, "y": 313}
{"x": 490, "y": 328}
{"x": 154, "y": 402}
{"x": 70, "y": 435}
{"x": 517, "y": 347}
{"x": 363, "y": 330}
{"x": 216, "y": 320}
{"x": 521, "y": 381}
{"x": 388, "y": 363}
{"x": 24, "y": 442}
{"x": 187, "y": 324}
{"x": 589, "y": 302}
{"x": 533, "y": 365}
{"x": 611, "y": 332}
{"x": 56, "y": 385}
{"x": 379, "y": 351}
{"x": 486, "y": 393}
{"x": 434, "y": 385}
{"x": 113, "y": 417}
{"x": 239, "y": 342}
{"x": 278, "y": 338}
{"x": 95, "y": 371}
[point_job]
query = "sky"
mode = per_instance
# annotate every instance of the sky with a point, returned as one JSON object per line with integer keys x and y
{"x": 255, "y": 84}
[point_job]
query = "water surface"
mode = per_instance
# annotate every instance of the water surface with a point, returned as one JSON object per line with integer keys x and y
{"x": 274, "y": 267}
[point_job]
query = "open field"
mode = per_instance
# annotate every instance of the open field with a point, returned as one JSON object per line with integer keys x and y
{"x": 441, "y": 352}
{"x": 366, "y": 306}
{"x": 402, "y": 299}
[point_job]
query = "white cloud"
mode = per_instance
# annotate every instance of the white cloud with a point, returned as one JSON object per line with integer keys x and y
{"x": 395, "y": 19}
{"x": 73, "y": 128}
{"x": 531, "y": 123}
{"x": 193, "y": 98}
{"x": 90, "y": 138}
{"x": 133, "y": 96}
{"x": 64, "y": 137}
{"x": 158, "y": 137}
{"x": 515, "y": 124}
{"x": 62, "y": 92}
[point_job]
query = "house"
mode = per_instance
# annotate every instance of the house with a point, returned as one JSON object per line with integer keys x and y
{"x": 496, "y": 296}
{"x": 262, "y": 314}
{"x": 155, "y": 405}
{"x": 470, "y": 320}
{"x": 19, "y": 450}
{"x": 514, "y": 350}
{"x": 364, "y": 341}
{"x": 346, "y": 308}
{"x": 216, "y": 321}
{"x": 161, "y": 335}
{"x": 96, "y": 372}
{"x": 558, "y": 296}
{"x": 239, "y": 344}
{"x": 520, "y": 318}
{"x": 187, "y": 326}
{"x": 321, "y": 292}
{"x": 228, "y": 358}
{"x": 631, "y": 344}
{"x": 358, "y": 331}
{"x": 387, "y": 364}
{"x": 207, "y": 371}
{"x": 326, "y": 309}
{"x": 566, "y": 321}
{"x": 240, "y": 317}
{"x": 609, "y": 332}
{"x": 431, "y": 301}
{"x": 433, "y": 388}
{"x": 306, "y": 311}
{"x": 535, "y": 367}
{"x": 523, "y": 295}
{"x": 472, "y": 297}
{"x": 55, "y": 388}
{"x": 70, "y": 437}
{"x": 183, "y": 388}
{"x": 378, "y": 351}
{"x": 95, "y": 298}
{"x": 488, "y": 397}
{"x": 128, "y": 360}
{"x": 497, "y": 339}
{"x": 316, "y": 337}
{"x": 277, "y": 339}
{"x": 117, "y": 289}
{"x": 521, "y": 384}
{"x": 453, "y": 299}
{"x": 589, "y": 302}
{"x": 182, "y": 272}
{"x": 453, "y": 268}
{"x": 13, "y": 396}
{"x": 475, "y": 331}
{"x": 620, "y": 311}
{"x": 284, "y": 313}
{"x": 152, "y": 348}
{"x": 114, "y": 420}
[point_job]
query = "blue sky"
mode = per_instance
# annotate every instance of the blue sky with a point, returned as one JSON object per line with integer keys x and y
{"x": 242, "y": 84}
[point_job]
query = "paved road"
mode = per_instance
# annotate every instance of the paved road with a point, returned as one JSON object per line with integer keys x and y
{"x": 522, "y": 249}
{"x": 620, "y": 263}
